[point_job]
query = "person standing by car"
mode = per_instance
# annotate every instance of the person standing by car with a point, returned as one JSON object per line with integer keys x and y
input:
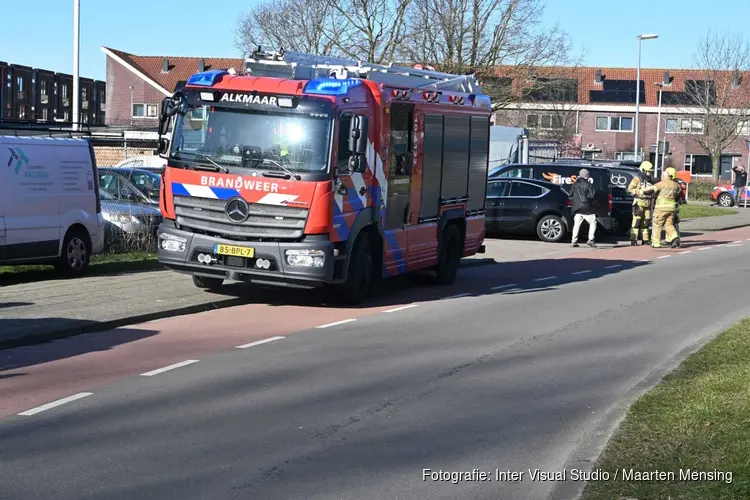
{"x": 583, "y": 195}
{"x": 740, "y": 181}
{"x": 667, "y": 193}
{"x": 641, "y": 204}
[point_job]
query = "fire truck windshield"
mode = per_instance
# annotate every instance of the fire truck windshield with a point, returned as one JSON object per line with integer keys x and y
{"x": 235, "y": 138}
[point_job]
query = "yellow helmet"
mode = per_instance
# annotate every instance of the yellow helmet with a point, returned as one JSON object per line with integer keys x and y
{"x": 646, "y": 166}
{"x": 671, "y": 171}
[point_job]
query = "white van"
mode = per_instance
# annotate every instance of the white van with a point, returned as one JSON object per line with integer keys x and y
{"x": 50, "y": 211}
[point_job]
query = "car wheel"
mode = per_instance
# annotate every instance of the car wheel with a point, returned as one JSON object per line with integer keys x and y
{"x": 725, "y": 200}
{"x": 75, "y": 255}
{"x": 550, "y": 228}
{"x": 207, "y": 283}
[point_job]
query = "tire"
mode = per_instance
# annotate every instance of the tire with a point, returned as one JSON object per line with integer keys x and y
{"x": 551, "y": 229}
{"x": 75, "y": 255}
{"x": 359, "y": 277}
{"x": 450, "y": 256}
{"x": 725, "y": 200}
{"x": 207, "y": 283}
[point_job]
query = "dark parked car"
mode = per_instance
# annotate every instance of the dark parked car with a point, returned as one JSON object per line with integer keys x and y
{"x": 528, "y": 206}
{"x": 564, "y": 175}
{"x": 131, "y": 184}
{"x": 124, "y": 219}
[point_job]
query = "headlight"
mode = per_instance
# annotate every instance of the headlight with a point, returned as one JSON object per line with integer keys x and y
{"x": 172, "y": 243}
{"x": 120, "y": 218}
{"x": 305, "y": 258}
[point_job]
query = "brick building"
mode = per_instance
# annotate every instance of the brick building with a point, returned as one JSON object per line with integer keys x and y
{"x": 596, "y": 104}
{"x": 136, "y": 85}
{"x": 598, "y": 108}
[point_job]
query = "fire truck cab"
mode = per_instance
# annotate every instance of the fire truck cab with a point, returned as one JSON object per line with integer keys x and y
{"x": 309, "y": 171}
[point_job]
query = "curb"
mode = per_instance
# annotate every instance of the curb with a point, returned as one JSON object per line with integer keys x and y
{"x": 728, "y": 228}
{"x": 98, "y": 326}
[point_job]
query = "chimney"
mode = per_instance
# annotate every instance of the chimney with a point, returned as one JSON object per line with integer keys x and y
{"x": 165, "y": 65}
{"x": 599, "y": 78}
{"x": 201, "y": 66}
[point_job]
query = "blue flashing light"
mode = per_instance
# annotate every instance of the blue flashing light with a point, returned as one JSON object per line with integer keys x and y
{"x": 207, "y": 78}
{"x": 331, "y": 86}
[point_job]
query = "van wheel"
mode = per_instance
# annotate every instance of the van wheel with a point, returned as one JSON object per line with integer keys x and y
{"x": 359, "y": 277}
{"x": 550, "y": 228}
{"x": 75, "y": 255}
{"x": 450, "y": 256}
{"x": 207, "y": 283}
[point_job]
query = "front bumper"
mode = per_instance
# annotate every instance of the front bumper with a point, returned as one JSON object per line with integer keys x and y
{"x": 280, "y": 272}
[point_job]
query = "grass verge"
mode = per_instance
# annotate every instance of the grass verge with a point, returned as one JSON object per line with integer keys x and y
{"x": 106, "y": 263}
{"x": 698, "y": 418}
{"x": 696, "y": 211}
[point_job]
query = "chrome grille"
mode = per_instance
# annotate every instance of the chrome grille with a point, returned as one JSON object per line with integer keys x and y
{"x": 265, "y": 221}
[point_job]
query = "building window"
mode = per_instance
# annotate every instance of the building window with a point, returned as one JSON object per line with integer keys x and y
{"x": 626, "y": 156}
{"x": 198, "y": 114}
{"x": 19, "y": 88}
{"x": 65, "y": 98}
{"x": 545, "y": 122}
{"x": 139, "y": 110}
{"x": 152, "y": 110}
{"x": 684, "y": 126}
{"x": 614, "y": 124}
{"x": 743, "y": 128}
{"x": 43, "y": 96}
{"x": 698, "y": 165}
{"x": 84, "y": 98}
{"x": 102, "y": 95}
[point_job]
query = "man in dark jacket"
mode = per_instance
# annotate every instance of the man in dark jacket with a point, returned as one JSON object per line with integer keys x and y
{"x": 740, "y": 181}
{"x": 583, "y": 207}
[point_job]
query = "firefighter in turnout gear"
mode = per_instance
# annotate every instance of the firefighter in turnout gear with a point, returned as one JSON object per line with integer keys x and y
{"x": 680, "y": 200}
{"x": 667, "y": 193}
{"x": 641, "y": 203}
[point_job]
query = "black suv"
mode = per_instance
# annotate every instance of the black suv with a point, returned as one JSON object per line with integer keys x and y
{"x": 564, "y": 175}
{"x": 528, "y": 206}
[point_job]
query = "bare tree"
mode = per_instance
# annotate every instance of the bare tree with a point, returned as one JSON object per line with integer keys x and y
{"x": 304, "y": 25}
{"x": 372, "y": 30}
{"x": 464, "y": 36}
{"x": 721, "y": 97}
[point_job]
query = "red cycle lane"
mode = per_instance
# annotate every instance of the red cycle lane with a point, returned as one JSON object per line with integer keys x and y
{"x": 35, "y": 375}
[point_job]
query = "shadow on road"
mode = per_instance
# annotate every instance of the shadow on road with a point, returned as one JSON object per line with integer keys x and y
{"x": 19, "y": 357}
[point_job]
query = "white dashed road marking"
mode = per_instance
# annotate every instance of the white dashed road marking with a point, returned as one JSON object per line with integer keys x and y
{"x": 664, "y": 256}
{"x": 613, "y": 266}
{"x": 397, "y": 309}
{"x": 581, "y": 272}
{"x": 170, "y": 367}
{"x": 686, "y": 251}
{"x": 53, "y": 404}
{"x": 547, "y": 278}
{"x": 734, "y": 245}
{"x": 259, "y": 342}
{"x": 457, "y": 296}
{"x": 336, "y": 323}
{"x": 705, "y": 248}
{"x": 503, "y": 287}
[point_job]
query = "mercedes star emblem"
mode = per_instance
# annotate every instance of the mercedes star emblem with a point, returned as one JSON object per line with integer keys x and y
{"x": 237, "y": 210}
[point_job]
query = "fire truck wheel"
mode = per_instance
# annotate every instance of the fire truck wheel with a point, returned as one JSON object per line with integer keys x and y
{"x": 207, "y": 283}
{"x": 450, "y": 256}
{"x": 359, "y": 278}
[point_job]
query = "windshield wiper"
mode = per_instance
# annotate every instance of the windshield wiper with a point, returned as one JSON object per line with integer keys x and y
{"x": 288, "y": 174}
{"x": 219, "y": 168}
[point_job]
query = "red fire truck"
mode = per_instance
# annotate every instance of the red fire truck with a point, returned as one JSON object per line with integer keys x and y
{"x": 309, "y": 171}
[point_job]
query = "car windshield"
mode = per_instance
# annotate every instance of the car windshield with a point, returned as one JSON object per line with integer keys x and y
{"x": 147, "y": 183}
{"x": 240, "y": 138}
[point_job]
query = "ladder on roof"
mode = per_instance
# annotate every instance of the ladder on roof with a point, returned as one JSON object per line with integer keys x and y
{"x": 300, "y": 66}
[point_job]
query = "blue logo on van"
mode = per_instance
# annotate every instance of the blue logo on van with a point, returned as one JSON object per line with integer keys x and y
{"x": 18, "y": 155}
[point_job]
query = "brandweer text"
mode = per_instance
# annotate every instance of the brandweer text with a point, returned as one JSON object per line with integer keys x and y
{"x": 239, "y": 183}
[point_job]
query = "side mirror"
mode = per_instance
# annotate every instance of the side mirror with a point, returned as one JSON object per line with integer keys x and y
{"x": 163, "y": 146}
{"x": 358, "y": 135}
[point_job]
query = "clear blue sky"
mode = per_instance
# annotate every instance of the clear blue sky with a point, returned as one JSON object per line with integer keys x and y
{"x": 604, "y": 29}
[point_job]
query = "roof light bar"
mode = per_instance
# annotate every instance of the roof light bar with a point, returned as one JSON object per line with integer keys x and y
{"x": 207, "y": 78}
{"x": 331, "y": 86}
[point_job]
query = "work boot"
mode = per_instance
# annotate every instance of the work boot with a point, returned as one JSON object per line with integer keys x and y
{"x": 676, "y": 243}
{"x": 591, "y": 243}
{"x": 633, "y": 243}
{"x": 646, "y": 242}
{"x": 574, "y": 245}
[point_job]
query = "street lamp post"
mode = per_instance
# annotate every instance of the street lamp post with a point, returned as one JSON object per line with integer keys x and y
{"x": 638, "y": 89}
{"x": 658, "y": 129}
{"x": 76, "y": 46}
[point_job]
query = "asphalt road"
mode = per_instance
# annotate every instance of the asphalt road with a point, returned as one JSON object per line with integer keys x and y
{"x": 529, "y": 368}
